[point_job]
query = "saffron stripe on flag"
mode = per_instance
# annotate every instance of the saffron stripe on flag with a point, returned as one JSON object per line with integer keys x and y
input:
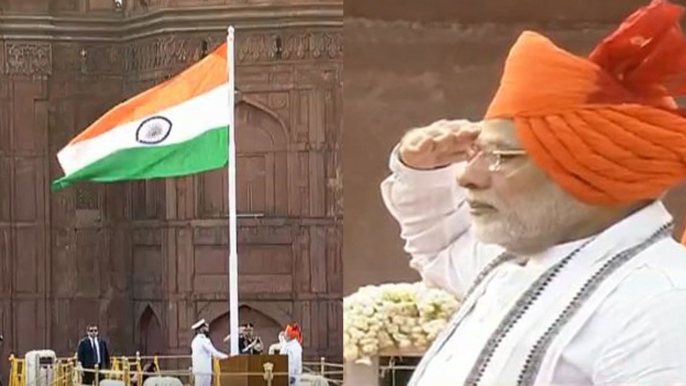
{"x": 206, "y": 75}
{"x": 205, "y": 152}
{"x": 176, "y": 128}
{"x": 188, "y": 120}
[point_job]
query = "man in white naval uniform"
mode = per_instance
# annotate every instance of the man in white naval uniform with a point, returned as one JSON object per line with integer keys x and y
{"x": 203, "y": 352}
{"x": 563, "y": 258}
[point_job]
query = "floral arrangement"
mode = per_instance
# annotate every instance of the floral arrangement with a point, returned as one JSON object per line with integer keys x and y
{"x": 401, "y": 316}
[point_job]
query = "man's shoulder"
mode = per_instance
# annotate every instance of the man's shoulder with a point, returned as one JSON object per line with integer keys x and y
{"x": 199, "y": 338}
{"x": 663, "y": 268}
{"x": 659, "y": 274}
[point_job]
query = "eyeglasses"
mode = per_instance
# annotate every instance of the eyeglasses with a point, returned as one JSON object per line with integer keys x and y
{"x": 495, "y": 158}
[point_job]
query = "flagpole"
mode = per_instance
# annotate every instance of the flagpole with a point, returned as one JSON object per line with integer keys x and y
{"x": 233, "y": 231}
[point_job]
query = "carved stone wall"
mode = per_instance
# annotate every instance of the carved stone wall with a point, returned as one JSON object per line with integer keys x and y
{"x": 145, "y": 259}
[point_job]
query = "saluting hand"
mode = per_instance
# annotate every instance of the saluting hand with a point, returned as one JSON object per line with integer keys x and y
{"x": 438, "y": 145}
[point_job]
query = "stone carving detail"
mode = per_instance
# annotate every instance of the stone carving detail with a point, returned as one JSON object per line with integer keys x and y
{"x": 87, "y": 197}
{"x": 28, "y": 58}
{"x": 278, "y": 101}
{"x": 289, "y": 46}
{"x": 172, "y": 52}
{"x": 253, "y": 48}
{"x": 166, "y": 52}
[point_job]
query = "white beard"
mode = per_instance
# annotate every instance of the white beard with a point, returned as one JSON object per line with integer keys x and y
{"x": 525, "y": 221}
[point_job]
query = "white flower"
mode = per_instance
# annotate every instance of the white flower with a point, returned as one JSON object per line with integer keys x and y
{"x": 361, "y": 324}
{"x": 350, "y": 352}
{"x": 398, "y": 315}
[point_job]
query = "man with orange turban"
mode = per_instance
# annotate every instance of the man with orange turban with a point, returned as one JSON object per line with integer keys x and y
{"x": 554, "y": 236}
{"x": 293, "y": 348}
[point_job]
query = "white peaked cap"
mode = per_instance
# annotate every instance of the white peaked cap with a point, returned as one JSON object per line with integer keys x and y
{"x": 199, "y": 324}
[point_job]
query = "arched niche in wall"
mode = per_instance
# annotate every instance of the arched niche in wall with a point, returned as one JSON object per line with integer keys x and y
{"x": 261, "y": 167}
{"x": 265, "y": 327}
{"x": 150, "y": 334}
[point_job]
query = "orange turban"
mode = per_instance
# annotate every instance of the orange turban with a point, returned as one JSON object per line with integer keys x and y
{"x": 293, "y": 332}
{"x": 606, "y": 128}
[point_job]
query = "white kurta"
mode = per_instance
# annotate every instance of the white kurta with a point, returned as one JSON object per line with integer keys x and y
{"x": 629, "y": 331}
{"x": 202, "y": 353}
{"x": 294, "y": 350}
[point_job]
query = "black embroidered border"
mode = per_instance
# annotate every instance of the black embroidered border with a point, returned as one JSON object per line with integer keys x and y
{"x": 503, "y": 257}
{"x": 452, "y": 327}
{"x": 445, "y": 335}
{"x": 535, "y": 358}
{"x": 515, "y": 314}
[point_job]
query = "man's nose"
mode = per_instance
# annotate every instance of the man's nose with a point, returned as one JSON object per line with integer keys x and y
{"x": 474, "y": 176}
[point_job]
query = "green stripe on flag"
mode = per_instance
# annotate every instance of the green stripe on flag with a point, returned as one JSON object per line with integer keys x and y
{"x": 205, "y": 152}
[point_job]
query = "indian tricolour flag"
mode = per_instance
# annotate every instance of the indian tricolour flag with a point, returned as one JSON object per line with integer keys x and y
{"x": 176, "y": 128}
{"x": 182, "y": 126}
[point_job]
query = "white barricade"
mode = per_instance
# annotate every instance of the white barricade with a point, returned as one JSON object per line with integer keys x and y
{"x": 111, "y": 382}
{"x": 162, "y": 381}
{"x": 40, "y": 367}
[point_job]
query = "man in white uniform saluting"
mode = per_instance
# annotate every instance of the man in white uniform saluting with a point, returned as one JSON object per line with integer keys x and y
{"x": 545, "y": 217}
{"x": 203, "y": 352}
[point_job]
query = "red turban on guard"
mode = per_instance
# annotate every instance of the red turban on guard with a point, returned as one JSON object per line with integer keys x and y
{"x": 293, "y": 332}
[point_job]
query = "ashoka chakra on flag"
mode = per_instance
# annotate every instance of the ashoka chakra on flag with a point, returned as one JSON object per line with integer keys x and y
{"x": 153, "y": 130}
{"x": 176, "y": 128}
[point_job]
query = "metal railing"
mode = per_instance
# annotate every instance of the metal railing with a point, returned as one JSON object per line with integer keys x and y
{"x": 129, "y": 370}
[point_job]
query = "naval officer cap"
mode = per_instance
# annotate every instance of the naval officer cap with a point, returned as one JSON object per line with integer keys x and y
{"x": 199, "y": 324}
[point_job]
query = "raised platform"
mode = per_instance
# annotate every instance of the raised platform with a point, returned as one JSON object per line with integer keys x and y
{"x": 369, "y": 375}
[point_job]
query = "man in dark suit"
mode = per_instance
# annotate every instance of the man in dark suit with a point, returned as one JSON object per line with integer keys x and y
{"x": 91, "y": 351}
{"x": 248, "y": 343}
